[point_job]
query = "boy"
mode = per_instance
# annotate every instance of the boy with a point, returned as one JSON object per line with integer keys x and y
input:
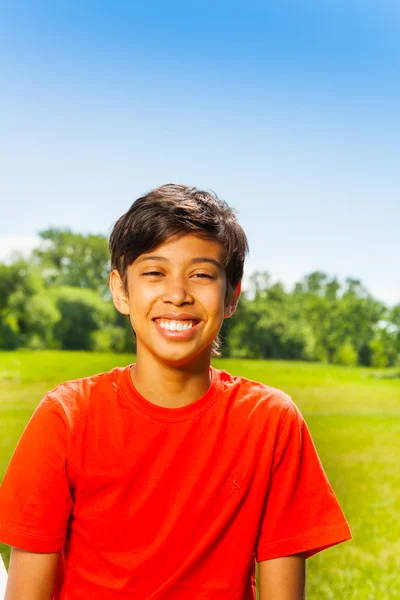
{"x": 167, "y": 479}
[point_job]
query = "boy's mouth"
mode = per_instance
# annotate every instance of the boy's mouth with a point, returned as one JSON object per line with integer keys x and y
{"x": 176, "y": 324}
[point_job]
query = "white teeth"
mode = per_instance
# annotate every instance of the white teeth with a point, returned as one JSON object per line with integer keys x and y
{"x": 175, "y": 325}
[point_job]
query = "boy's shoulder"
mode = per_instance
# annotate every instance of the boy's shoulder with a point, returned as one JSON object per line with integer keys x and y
{"x": 74, "y": 396}
{"x": 256, "y": 396}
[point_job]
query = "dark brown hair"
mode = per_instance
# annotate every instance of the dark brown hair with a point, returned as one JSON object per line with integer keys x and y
{"x": 173, "y": 210}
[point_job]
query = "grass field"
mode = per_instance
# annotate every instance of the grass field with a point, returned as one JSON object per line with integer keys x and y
{"x": 353, "y": 415}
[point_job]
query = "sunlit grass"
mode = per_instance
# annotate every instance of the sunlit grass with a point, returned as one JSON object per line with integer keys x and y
{"x": 354, "y": 417}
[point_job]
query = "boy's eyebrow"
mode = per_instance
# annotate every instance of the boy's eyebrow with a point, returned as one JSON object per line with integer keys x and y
{"x": 202, "y": 259}
{"x": 143, "y": 258}
{"x": 205, "y": 259}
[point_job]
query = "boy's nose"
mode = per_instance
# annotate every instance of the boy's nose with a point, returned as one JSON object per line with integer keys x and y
{"x": 176, "y": 292}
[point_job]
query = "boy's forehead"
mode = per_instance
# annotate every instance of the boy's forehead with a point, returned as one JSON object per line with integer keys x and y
{"x": 189, "y": 247}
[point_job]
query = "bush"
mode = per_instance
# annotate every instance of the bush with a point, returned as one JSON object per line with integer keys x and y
{"x": 109, "y": 339}
{"x": 83, "y": 312}
{"x": 346, "y": 355}
{"x": 378, "y": 355}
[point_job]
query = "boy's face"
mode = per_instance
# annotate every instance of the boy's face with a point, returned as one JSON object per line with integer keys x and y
{"x": 176, "y": 299}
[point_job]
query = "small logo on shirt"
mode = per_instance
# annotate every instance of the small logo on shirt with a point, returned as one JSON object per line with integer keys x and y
{"x": 235, "y": 485}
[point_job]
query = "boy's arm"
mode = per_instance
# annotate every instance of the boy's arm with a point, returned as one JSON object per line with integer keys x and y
{"x": 31, "y": 575}
{"x": 282, "y": 578}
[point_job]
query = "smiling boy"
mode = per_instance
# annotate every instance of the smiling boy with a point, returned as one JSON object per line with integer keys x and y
{"x": 168, "y": 479}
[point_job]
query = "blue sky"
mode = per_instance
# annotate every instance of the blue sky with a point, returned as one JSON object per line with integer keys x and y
{"x": 288, "y": 110}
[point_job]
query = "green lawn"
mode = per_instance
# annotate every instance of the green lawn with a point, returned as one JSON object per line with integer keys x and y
{"x": 354, "y": 416}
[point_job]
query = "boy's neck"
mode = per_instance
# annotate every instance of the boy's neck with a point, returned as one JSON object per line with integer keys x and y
{"x": 171, "y": 386}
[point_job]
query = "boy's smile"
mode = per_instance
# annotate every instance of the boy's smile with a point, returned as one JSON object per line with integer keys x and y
{"x": 175, "y": 326}
{"x": 176, "y": 299}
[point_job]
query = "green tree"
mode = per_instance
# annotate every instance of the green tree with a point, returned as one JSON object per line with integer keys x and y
{"x": 360, "y": 314}
{"x": 378, "y": 357}
{"x": 340, "y": 317}
{"x": 73, "y": 259}
{"x": 83, "y": 312}
{"x": 19, "y": 282}
{"x": 267, "y": 324}
{"x": 346, "y": 355}
{"x": 41, "y": 317}
{"x": 392, "y": 335}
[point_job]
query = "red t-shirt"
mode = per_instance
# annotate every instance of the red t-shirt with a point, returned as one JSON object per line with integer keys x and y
{"x": 154, "y": 503}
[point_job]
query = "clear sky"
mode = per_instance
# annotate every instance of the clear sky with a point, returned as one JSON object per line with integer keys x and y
{"x": 288, "y": 110}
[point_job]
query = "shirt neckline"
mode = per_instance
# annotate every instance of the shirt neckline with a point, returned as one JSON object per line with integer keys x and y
{"x": 161, "y": 413}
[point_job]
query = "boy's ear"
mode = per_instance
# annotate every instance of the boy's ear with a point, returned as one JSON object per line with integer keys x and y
{"x": 232, "y": 301}
{"x": 119, "y": 295}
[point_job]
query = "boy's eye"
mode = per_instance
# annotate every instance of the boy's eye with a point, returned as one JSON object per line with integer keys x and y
{"x": 195, "y": 275}
{"x": 154, "y": 273}
{"x": 204, "y": 275}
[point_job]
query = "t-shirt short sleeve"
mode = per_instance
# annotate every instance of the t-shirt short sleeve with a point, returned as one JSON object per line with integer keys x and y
{"x": 35, "y": 496}
{"x": 301, "y": 513}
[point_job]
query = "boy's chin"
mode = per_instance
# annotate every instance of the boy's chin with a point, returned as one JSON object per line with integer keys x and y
{"x": 180, "y": 358}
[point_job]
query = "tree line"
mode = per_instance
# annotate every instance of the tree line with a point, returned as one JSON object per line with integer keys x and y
{"x": 59, "y": 298}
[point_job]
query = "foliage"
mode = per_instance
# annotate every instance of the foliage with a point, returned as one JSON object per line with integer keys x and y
{"x": 111, "y": 338}
{"x": 73, "y": 259}
{"x": 345, "y": 355}
{"x": 320, "y": 319}
{"x": 83, "y": 313}
{"x": 21, "y": 285}
{"x": 59, "y": 299}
